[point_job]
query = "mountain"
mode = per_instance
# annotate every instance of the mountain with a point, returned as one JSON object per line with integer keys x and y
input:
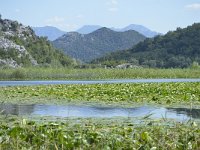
{"x": 88, "y": 29}
{"x": 177, "y": 49}
{"x": 20, "y": 47}
{"x": 50, "y": 32}
{"x": 139, "y": 28}
{"x": 86, "y": 47}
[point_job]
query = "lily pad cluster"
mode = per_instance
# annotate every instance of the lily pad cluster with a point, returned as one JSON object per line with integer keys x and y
{"x": 88, "y": 134}
{"x": 154, "y": 93}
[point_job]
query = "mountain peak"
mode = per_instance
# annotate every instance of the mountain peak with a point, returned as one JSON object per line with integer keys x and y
{"x": 53, "y": 33}
{"x": 139, "y": 28}
{"x": 176, "y": 49}
{"x": 48, "y": 31}
{"x": 86, "y": 47}
{"x": 103, "y": 29}
{"x": 86, "y": 29}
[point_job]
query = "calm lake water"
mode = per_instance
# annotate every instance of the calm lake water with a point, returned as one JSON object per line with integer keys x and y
{"x": 181, "y": 114}
{"x": 17, "y": 83}
{"x": 95, "y": 111}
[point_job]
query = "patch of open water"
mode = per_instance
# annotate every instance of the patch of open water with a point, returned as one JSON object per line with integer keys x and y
{"x": 51, "y": 82}
{"x": 181, "y": 114}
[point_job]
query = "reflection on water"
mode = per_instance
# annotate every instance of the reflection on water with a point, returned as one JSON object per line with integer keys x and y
{"x": 193, "y": 113}
{"x": 95, "y": 111}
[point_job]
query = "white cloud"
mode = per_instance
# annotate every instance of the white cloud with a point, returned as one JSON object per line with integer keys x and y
{"x": 195, "y": 6}
{"x": 112, "y": 5}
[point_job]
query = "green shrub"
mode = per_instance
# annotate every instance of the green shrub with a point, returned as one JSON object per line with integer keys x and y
{"x": 18, "y": 74}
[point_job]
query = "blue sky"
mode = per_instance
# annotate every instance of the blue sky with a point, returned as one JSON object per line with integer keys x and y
{"x": 69, "y": 15}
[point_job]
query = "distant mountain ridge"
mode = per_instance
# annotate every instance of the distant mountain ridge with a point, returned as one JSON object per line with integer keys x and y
{"x": 176, "y": 49}
{"x": 50, "y": 32}
{"x": 88, "y": 29}
{"x": 139, "y": 28}
{"x": 86, "y": 47}
{"x": 53, "y": 33}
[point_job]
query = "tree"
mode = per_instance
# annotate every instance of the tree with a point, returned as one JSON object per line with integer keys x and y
{"x": 14, "y": 26}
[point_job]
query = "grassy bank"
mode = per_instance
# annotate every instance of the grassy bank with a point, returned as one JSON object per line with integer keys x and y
{"x": 98, "y": 134}
{"x": 91, "y": 74}
{"x": 122, "y": 94}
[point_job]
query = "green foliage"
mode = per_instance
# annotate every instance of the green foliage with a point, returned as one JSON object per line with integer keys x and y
{"x": 54, "y": 72}
{"x": 154, "y": 93}
{"x": 195, "y": 65}
{"x": 91, "y": 134}
{"x": 14, "y": 26}
{"x": 13, "y": 54}
{"x": 176, "y": 49}
{"x": 18, "y": 74}
{"x": 39, "y": 48}
{"x": 42, "y": 51}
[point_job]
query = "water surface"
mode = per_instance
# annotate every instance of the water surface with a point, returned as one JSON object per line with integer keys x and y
{"x": 99, "y": 112}
{"x": 50, "y": 82}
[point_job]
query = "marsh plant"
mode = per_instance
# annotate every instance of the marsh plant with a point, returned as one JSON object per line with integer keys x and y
{"x": 48, "y": 73}
{"x": 102, "y": 134}
{"x": 125, "y": 93}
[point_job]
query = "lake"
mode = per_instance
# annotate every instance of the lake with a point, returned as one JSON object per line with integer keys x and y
{"x": 25, "y": 83}
{"x": 82, "y": 111}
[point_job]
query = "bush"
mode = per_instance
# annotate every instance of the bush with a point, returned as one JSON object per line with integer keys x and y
{"x": 18, "y": 74}
{"x": 195, "y": 65}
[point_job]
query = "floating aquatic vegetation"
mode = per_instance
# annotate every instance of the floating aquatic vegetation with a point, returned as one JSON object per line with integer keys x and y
{"x": 126, "y": 93}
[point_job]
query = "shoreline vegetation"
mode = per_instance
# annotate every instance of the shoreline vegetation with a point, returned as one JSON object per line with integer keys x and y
{"x": 38, "y": 73}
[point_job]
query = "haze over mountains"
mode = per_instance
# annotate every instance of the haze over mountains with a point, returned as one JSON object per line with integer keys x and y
{"x": 86, "y": 47}
{"x": 53, "y": 33}
{"x": 48, "y": 31}
{"x": 139, "y": 28}
{"x": 88, "y": 29}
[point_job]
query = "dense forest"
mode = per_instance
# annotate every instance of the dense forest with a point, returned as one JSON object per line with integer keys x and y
{"x": 176, "y": 49}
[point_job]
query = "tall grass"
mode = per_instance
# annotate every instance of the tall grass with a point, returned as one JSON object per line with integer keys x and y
{"x": 92, "y": 74}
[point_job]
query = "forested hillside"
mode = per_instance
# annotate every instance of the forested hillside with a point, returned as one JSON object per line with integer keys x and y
{"x": 180, "y": 48}
{"x": 20, "y": 47}
{"x": 86, "y": 47}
